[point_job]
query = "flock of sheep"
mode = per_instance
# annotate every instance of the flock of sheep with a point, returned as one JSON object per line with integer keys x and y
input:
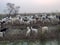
{"x": 28, "y": 20}
{"x": 33, "y": 18}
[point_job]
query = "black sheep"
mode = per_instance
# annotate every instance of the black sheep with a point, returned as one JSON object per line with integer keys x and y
{"x": 4, "y": 29}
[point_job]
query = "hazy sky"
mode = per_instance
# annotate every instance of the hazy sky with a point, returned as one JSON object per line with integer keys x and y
{"x": 33, "y": 6}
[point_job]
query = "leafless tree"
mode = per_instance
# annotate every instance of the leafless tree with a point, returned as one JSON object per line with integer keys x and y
{"x": 12, "y": 9}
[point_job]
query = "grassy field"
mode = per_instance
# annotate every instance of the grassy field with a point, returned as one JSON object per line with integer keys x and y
{"x": 23, "y": 42}
{"x": 15, "y": 33}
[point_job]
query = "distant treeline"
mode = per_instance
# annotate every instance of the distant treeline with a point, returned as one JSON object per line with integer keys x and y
{"x": 53, "y": 13}
{"x": 27, "y": 14}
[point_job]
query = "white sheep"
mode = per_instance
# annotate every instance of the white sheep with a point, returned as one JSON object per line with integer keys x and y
{"x": 5, "y": 19}
{"x": 12, "y": 20}
{"x": 31, "y": 29}
{"x": 32, "y": 20}
{"x": 35, "y": 30}
{"x": 1, "y": 34}
{"x": 45, "y": 28}
{"x": 28, "y": 31}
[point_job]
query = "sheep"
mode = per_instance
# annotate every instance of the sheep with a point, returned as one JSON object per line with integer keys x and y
{"x": 16, "y": 20}
{"x": 28, "y": 31}
{"x": 4, "y": 29}
{"x": 54, "y": 19}
{"x": 1, "y": 34}
{"x": 32, "y": 20}
{"x": 13, "y": 20}
{"x": 45, "y": 28}
{"x": 21, "y": 20}
{"x": 31, "y": 29}
{"x": 5, "y": 20}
